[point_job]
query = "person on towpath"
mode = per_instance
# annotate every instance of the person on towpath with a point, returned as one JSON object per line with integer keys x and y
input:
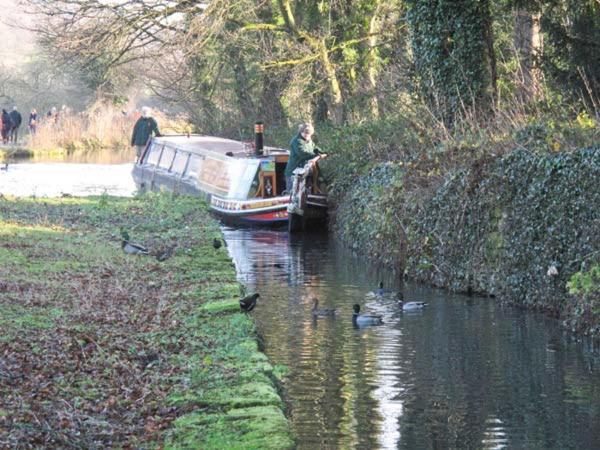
{"x": 6, "y": 126}
{"x": 142, "y": 131}
{"x": 16, "y": 119}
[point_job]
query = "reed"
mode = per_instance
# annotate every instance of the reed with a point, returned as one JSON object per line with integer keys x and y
{"x": 100, "y": 127}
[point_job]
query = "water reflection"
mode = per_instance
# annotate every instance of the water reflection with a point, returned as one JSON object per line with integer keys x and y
{"x": 95, "y": 156}
{"x": 463, "y": 373}
{"x": 54, "y": 180}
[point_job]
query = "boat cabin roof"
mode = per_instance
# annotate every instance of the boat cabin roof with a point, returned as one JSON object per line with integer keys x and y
{"x": 202, "y": 144}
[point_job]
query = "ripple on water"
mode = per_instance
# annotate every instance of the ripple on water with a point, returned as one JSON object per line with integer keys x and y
{"x": 463, "y": 373}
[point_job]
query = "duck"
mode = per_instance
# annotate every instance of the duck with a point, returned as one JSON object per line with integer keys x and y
{"x": 131, "y": 248}
{"x": 364, "y": 319}
{"x": 165, "y": 254}
{"x": 410, "y": 306}
{"x": 381, "y": 291}
{"x": 321, "y": 312}
{"x": 248, "y": 303}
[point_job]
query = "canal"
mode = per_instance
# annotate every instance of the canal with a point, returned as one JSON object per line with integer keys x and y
{"x": 462, "y": 373}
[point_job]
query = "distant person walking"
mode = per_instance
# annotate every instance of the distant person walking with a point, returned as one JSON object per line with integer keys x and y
{"x": 6, "y": 126}
{"x": 33, "y": 119}
{"x": 16, "y": 119}
{"x": 142, "y": 131}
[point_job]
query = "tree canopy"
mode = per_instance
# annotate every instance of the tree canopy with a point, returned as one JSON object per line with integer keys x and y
{"x": 343, "y": 61}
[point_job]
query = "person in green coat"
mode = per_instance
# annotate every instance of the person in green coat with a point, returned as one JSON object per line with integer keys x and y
{"x": 143, "y": 130}
{"x": 302, "y": 148}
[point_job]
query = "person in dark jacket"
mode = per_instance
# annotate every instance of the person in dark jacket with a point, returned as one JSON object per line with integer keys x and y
{"x": 6, "y": 126}
{"x": 33, "y": 118}
{"x": 16, "y": 119}
{"x": 143, "y": 130}
{"x": 302, "y": 148}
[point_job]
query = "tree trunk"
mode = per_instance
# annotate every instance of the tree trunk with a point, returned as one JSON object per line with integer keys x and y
{"x": 242, "y": 86}
{"x": 374, "y": 28}
{"x": 270, "y": 109}
{"x": 335, "y": 103}
{"x": 528, "y": 44}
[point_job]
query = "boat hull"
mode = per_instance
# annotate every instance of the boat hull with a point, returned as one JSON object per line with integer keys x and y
{"x": 260, "y": 212}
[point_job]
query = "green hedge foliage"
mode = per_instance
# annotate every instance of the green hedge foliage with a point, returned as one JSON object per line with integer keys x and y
{"x": 518, "y": 227}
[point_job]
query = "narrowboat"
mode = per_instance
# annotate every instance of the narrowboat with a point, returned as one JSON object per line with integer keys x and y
{"x": 243, "y": 182}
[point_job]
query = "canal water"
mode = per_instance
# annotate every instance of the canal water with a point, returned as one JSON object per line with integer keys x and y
{"x": 462, "y": 373}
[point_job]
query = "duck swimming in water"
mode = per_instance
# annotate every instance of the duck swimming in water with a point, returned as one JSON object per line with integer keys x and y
{"x": 364, "y": 319}
{"x": 384, "y": 292}
{"x": 410, "y": 306}
{"x": 321, "y": 312}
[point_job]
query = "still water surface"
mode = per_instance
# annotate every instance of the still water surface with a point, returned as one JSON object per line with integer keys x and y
{"x": 463, "y": 373}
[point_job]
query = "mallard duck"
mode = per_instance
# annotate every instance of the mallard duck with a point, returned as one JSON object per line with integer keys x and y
{"x": 131, "y": 248}
{"x": 165, "y": 254}
{"x": 364, "y": 319}
{"x": 249, "y": 302}
{"x": 381, "y": 291}
{"x": 411, "y": 306}
{"x": 321, "y": 312}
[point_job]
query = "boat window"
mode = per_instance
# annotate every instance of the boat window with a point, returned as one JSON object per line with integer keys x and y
{"x": 154, "y": 154}
{"x": 167, "y": 158}
{"x": 179, "y": 162}
{"x": 193, "y": 167}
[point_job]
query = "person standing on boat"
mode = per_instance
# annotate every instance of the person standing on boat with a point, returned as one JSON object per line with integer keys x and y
{"x": 302, "y": 148}
{"x": 142, "y": 131}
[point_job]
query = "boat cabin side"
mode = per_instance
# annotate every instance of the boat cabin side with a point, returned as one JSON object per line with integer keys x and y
{"x": 201, "y": 165}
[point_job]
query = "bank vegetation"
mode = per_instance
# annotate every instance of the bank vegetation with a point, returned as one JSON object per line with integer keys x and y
{"x": 104, "y": 349}
{"x": 451, "y": 103}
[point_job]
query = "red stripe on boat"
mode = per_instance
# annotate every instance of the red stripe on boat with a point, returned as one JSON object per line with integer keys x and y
{"x": 267, "y": 217}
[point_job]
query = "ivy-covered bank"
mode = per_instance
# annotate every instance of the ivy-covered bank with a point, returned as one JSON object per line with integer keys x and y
{"x": 103, "y": 349}
{"x": 524, "y": 227}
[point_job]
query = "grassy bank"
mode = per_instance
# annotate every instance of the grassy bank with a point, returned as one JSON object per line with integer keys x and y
{"x": 103, "y": 349}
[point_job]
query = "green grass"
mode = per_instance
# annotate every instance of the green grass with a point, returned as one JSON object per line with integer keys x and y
{"x": 109, "y": 349}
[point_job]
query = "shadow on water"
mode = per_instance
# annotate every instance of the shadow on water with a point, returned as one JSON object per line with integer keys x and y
{"x": 462, "y": 373}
